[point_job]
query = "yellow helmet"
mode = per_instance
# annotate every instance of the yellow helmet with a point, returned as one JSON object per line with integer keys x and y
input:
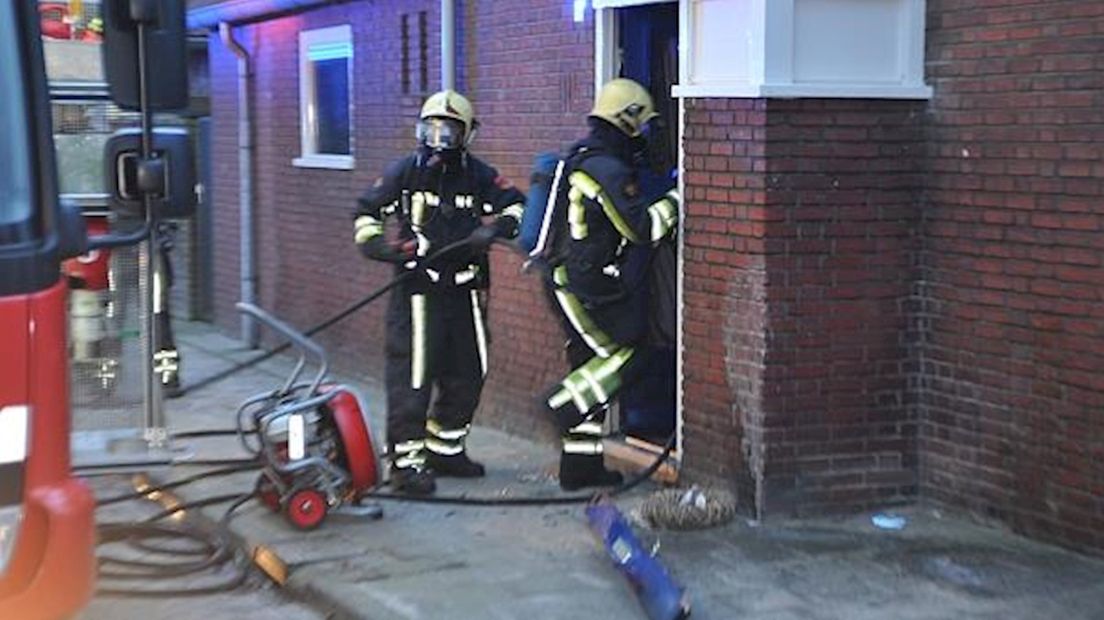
{"x": 447, "y": 121}
{"x": 624, "y": 104}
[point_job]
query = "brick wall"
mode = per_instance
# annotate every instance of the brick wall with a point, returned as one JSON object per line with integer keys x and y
{"x": 724, "y": 289}
{"x": 881, "y": 298}
{"x": 843, "y": 201}
{"x": 800, "y": 246}
{"x": 527, "y": 71}
{"x": 1012, "y": 386}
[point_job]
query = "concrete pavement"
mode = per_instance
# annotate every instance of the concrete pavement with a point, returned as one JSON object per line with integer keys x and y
{"x": 432, "y": 561}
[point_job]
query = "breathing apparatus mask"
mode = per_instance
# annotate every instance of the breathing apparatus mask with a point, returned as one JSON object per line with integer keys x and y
{"x": 439, "y": 134}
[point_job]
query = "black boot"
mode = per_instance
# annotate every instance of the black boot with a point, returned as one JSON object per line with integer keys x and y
{"x": 411, "y": 481}
{"x": 456, "y": 466}
{"x": 579, "y": 471}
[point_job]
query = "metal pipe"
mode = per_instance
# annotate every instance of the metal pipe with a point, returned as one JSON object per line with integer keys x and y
{"x": 448, "y": 44}
{"x": 155, "y": 433}
{"x": 247, "y": 259}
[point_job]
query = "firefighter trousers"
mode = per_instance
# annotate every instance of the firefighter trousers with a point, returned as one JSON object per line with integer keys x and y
{"x": 436, "y": 354}
{"x": 602, "y": 362}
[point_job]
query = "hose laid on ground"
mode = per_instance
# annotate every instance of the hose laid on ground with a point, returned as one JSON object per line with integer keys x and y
{"x": 688, "y": 509}
{"x": 171, "y": 551}
{"x": 333, "y": 320}
{"x": 165, "y": 486}
{"x": 462, "y": 500}
{"x": 213, "y": 550}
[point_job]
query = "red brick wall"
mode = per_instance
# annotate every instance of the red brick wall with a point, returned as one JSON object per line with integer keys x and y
{"x": 881, "y": 297}
{"x": 800, "y": 245}
{"x": 724, "y": 290}
{"x": 844, "y": 181}
{"x": 528, "y": 72}
{"x": 1013, "y": 390}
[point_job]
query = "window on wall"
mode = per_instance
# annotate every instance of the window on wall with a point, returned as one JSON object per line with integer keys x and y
{"x": 325, "y": 98}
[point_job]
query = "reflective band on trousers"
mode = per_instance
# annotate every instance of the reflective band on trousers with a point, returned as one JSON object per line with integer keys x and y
{"x": 515, "y": 210}
{"x": 579, "y": 386}
{"x": 480, "y": 330}
{"x": 157, "y": 309}
{"x": 594, "y": 338}
{"x": 444, "y": 448}
{"x": 410, "y": 454}
{"x": 418, "y": 340}
{"x": 415, "y": 460}
{"x": 412, "y": 445}
{"x": 166, "y": 362}
{"x": 576, "y": 446}
{"x": 434, "y": 428}
{"x": 586, "y": 428}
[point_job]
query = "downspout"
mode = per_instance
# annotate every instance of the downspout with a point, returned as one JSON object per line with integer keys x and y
{"x": 245, "y": 196}
{"x": 448, "y": 44}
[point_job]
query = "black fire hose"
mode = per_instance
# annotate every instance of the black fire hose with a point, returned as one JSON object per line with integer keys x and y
{"x": 340, "y": 316}
{"x": 462, "y": 500}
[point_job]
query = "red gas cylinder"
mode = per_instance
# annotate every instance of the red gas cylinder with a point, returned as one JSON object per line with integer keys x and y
{"x": 90, "y": 271}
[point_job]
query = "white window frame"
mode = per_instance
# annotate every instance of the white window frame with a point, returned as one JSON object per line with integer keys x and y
{"x": 771, "y": 58}
{"x": 308, "y": 139}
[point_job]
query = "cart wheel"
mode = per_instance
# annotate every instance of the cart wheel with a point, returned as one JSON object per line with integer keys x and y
{"x": 306, "y": 509}
{"x": 267, "y": 493}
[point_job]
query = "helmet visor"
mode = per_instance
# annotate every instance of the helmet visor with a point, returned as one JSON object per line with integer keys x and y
{"x": 440, "y": 133}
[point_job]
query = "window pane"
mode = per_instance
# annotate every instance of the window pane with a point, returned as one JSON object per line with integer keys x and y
{"x": 15, "y": 169}
{"x": 331, "y": 93}
{"x": 81, "y": 128}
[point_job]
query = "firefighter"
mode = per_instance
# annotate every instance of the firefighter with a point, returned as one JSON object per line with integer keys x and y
{"x": 166, "y": 360}
{"x": 436, "y": 332}
{"x": 616, "y": 212}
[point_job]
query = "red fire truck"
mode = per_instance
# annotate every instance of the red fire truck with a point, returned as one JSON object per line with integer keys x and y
{"x": 47, "y": 567}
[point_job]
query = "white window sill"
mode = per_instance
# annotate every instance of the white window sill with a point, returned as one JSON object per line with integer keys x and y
{"x": 822, "y": 90}
{"x": 332, "y": 162}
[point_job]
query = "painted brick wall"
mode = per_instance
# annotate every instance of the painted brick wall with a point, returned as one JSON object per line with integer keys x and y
{"x": 1013, "y": 393}
{"x": 527, "y": 70}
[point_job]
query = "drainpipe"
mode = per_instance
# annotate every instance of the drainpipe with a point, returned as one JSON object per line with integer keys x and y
{"x": 245, "y": 196}
{"x": 448, "y": 44}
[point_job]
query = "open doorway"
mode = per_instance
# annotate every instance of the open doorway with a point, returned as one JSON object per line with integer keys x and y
{"x": 640, "y": 42}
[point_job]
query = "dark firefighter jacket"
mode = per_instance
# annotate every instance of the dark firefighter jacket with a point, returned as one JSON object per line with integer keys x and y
{"x": 437, "y": 202}
{"x": 617, "y": 213}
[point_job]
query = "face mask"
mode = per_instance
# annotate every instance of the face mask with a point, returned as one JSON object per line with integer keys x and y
{"x": 440, "y": 134}
{"x": 648, "y": 146}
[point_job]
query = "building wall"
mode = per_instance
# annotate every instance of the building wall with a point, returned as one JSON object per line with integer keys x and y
{"x": 884, "y": 300}
{"x": 801, "y": 246}
{"x": 528, "y": 72}
{"x": 844, "y": 182}
{"x": 724, "y": 289}
{"x": 1012, "y": 390}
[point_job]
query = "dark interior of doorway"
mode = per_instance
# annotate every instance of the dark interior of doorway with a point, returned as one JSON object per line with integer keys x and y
{"x": 648, "y": 53}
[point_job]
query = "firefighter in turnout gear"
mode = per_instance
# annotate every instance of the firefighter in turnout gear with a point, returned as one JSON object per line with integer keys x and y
{"x": 166, "y": 360}
{"x": 436, "y": 331}
{"x": 615, "y": 211}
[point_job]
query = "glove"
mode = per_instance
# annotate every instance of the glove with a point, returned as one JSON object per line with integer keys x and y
{"x": 380, "y": 249}
{"x": 481, "y": 238}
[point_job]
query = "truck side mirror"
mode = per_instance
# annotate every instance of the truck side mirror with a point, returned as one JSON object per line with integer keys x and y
{"x": 165, "y": 53}
{"x": 168, "y": 176}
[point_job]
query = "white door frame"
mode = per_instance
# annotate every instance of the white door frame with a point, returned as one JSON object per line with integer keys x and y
{"x": 607, "y": 62}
